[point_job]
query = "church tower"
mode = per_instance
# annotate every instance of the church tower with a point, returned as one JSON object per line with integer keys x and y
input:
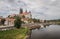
{"x": 30, "y": 14}
{"x": 21, "y": 11}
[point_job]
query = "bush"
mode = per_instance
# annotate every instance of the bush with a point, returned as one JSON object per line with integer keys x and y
{"x": 3, "y": 21}
{"x": 17, "y": 22}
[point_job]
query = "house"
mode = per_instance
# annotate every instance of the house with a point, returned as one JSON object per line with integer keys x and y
{"x": 25, "y": 20}
{"x": 42, "y": 21}
{"x": 10, "y": 21}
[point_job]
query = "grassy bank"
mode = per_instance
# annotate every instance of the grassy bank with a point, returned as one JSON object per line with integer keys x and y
{"x": 13, "y": 34}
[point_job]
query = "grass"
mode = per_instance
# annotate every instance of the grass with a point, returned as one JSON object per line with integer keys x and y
{"x": 13, "y": 34}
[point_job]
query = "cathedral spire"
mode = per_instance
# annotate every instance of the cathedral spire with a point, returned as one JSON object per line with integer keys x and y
{"x": 21, "y": 11}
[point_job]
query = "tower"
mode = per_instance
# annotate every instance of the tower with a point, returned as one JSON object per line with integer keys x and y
{"x": 30, "y": 14}
{"x": 21, "y": 11}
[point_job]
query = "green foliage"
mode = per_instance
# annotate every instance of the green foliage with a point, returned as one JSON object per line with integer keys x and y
{"x": 30, "y": 20}
{"x": 36, "y": 20}
{"x": 3, "y": 21}
{"x": 57, "y": 20}
{"x": 9, "y": 16}
{"x": 23, "y": 16}
{"x": 17, "y": 22}
{"x": 13, "y": 34}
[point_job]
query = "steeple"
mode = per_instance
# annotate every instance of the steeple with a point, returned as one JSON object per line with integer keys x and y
{"x": 21, "y": 11}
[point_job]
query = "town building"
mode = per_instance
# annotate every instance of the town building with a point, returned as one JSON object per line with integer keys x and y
{"x": 9, "y": 21}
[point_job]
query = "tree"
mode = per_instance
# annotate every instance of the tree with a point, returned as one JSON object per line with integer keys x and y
{"x": 38, "y": 21}
{"x": 3, "y": 21}
{"x": 9, "y": 16}
{"x": 17, "y": 22}
{"x": 34, "y": 20}
{"x": 23, "y": 16}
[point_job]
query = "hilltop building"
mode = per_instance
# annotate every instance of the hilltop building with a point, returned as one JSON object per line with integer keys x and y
{"x": 25, "y": 16}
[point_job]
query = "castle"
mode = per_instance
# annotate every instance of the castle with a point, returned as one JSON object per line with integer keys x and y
{"x": 25, "y": 16}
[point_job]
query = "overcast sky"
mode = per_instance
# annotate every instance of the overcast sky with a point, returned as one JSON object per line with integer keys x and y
{"x": 41, "y": 9}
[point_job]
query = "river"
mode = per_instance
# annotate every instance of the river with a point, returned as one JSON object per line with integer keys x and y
{"x": 48, "y": 32}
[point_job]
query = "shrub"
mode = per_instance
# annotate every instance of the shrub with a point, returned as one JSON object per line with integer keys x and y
{"x": 2, "y": 21}
{"x": 17, "y": 22}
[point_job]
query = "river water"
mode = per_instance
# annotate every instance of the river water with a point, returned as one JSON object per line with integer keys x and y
{"x": 48, "y": 32}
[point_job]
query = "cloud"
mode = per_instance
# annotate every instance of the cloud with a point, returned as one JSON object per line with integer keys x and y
{"x": 7, "y": 7}
{"x": 42, "y": 9}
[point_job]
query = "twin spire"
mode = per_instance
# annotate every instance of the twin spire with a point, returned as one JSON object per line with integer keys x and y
{"x": 21, "y": 11}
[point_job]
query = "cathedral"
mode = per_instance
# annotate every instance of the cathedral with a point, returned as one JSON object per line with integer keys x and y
{"x": 25, "y": 16}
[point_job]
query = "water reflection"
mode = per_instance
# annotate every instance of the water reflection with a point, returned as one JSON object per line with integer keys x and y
{"x": 49, "y": 32}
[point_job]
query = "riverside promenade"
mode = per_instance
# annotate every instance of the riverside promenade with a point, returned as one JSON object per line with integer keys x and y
{"x": 29, "y": 25}
{"x": 2, "y": 28}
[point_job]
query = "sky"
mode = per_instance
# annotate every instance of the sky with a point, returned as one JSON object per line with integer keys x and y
{"x": 40, "y": 9}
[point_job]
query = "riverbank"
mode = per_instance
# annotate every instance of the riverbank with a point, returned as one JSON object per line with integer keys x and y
{"x": 50, "y": 32}
{"x": 14, "y": 34}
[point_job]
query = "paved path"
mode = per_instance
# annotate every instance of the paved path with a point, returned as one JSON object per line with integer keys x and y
{"x": 30, "y": 25}
{"x": 6, "y": 28}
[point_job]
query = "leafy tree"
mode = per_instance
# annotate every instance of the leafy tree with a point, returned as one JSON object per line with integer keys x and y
{"x": 38, "y": 21}
{"x": 35, "y": 20}
{"x": 9, "y": 16}
{"x": 30, "y": 20}
{"x": 3, "y": 21}
{"x": 23, "y": 16}
{"x": 17, "y": 22}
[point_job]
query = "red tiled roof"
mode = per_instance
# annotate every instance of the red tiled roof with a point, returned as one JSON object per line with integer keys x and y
{"x": 25, "y": 13}
{"x": 10, "y": 18}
